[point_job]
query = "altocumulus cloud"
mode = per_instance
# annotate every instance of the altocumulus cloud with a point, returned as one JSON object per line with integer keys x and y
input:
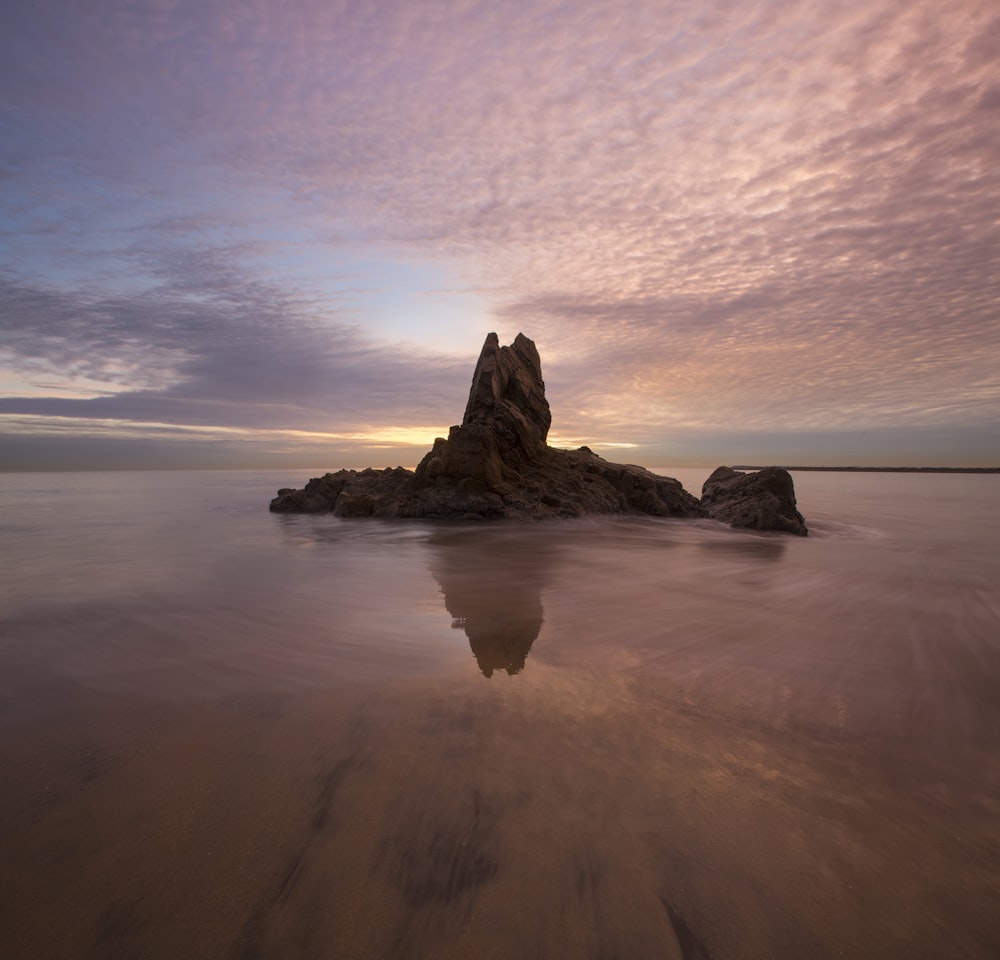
{"x": 781, "y": 215}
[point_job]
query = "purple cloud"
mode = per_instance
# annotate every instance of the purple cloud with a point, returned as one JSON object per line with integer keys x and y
{"x": 783, "y": 215}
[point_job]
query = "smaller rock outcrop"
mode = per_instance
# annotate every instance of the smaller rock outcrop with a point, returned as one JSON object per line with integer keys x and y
{"x": 348, "y": 493}
{"x": 764, "y": 500}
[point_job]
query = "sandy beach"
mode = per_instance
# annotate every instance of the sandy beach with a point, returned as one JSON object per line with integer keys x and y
{"x": 612, "y": 739}
{"x": 527, "y": 817}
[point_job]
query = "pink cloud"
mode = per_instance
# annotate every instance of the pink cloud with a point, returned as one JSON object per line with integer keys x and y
{"x": 785, "y": 211}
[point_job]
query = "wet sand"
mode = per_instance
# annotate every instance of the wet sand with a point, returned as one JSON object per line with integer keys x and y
{"x": 530, "y": 816}
{"x": 619, "y": 739}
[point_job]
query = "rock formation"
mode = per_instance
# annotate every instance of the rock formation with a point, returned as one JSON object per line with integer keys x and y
{"x": 497, "y": 464}
{"x": 764, "y": 500}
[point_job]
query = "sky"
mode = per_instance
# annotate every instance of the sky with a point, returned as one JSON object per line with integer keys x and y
{"x": 255, "y": 233}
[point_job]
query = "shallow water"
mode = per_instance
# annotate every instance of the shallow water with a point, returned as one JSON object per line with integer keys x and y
{"x": 226, "y": 733}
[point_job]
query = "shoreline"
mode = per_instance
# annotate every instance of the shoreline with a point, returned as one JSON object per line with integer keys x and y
{"x": 879, "y": 469}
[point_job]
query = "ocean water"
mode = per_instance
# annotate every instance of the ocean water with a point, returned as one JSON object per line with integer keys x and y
{"x": 226, "y": 733}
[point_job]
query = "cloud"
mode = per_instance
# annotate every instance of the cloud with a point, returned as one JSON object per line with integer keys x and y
{"x": 208, "y": 345}
{"x": 781, "y": 214}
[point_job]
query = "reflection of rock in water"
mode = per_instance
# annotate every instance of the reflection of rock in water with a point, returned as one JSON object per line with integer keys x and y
{"x": 500, "y": 637}
{"x": 492, "y": 587}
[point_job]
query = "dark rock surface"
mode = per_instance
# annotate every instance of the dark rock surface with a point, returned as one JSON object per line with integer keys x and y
{"x": 764, "y": 500}
{"x": 349, "y": 493}
{"x": 496, "y": 464}
{"x": 507, "y": 384}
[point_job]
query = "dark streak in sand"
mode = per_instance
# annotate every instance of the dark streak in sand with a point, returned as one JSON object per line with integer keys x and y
{"x": 249, "y": 941}
{"x": 114, "y": 929}
{"x": 691, "y": 947}
{"x": 454, "y": 859}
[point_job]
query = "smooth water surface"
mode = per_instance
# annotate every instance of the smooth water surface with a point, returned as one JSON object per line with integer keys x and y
{"x": 227, "y": 733}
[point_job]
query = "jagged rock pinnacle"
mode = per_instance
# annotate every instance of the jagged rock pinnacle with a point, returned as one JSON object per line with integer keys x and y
{"x": 509, "y": 377}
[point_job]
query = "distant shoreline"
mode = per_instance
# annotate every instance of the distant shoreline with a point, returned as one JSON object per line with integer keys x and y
{"x": 882, "y": 469}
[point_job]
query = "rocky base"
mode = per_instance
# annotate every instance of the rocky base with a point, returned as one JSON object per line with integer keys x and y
{"x": 568, "y": 484}
{"x": 560, "y": 483}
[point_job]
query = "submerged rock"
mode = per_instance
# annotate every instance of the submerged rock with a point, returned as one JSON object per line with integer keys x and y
{"x": 496, "y": 464}
{"x": 764, "y": 500}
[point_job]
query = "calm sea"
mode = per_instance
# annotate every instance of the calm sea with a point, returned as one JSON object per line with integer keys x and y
{"x": 227, "y": 733}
